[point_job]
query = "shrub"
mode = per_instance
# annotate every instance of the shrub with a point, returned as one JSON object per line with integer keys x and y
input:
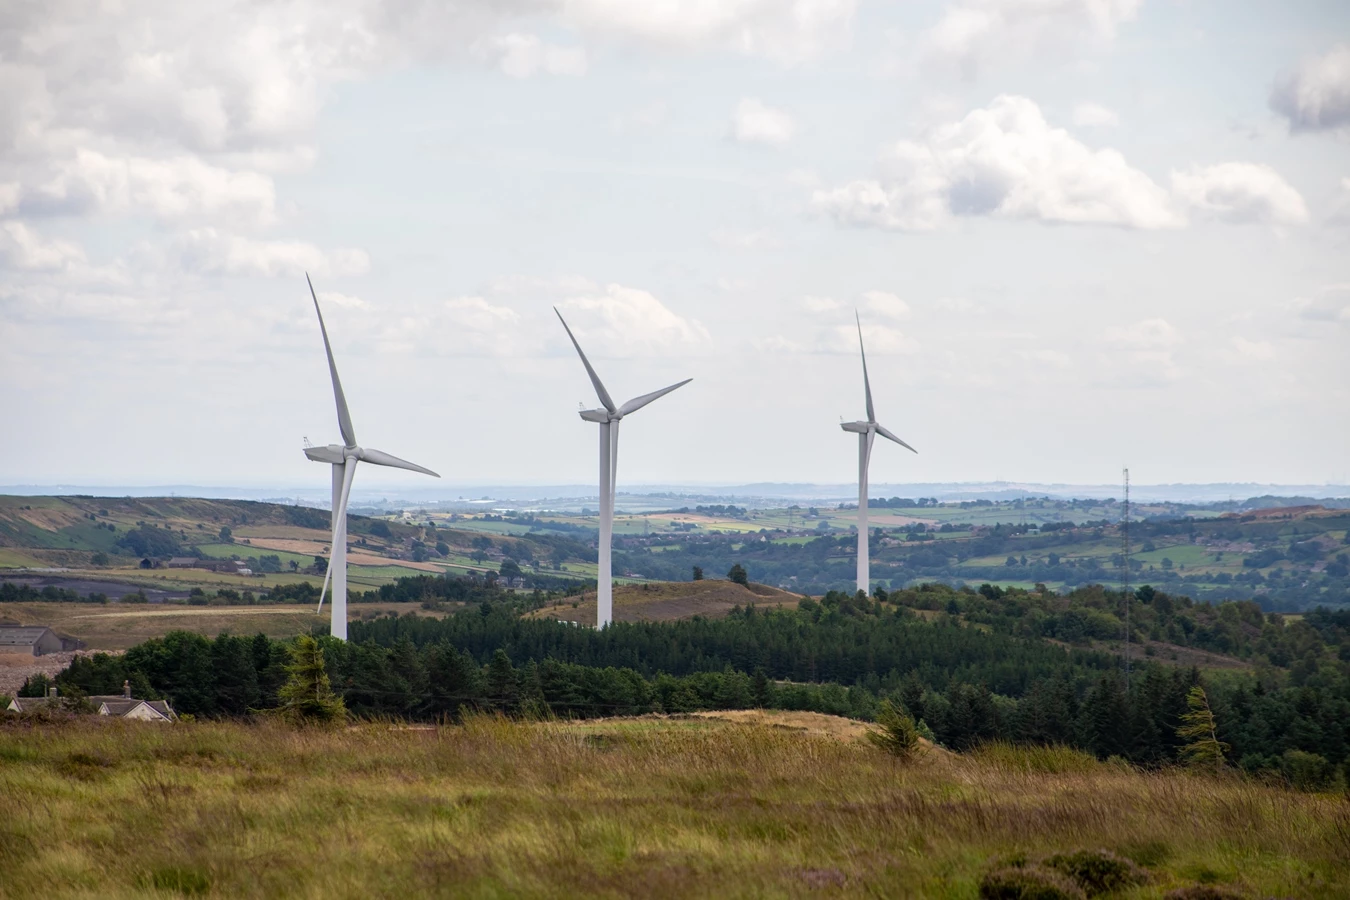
{"x": 1201, "y": 892}
{"x": 1098, "y": 871}
{"x": 897, "y": 734}
{"x": 1306, "y": 771}
{"x": 1028, "y": 883}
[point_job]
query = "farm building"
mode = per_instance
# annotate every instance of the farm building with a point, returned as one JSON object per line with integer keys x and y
{"x": 182, "y": 562}
{"x": 32, "y": 640}
{"x": 122, "y": 706}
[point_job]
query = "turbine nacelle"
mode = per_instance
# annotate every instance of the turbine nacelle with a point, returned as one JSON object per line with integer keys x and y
{"x": 337, "y": 455}
{"x": 857, "y": 427}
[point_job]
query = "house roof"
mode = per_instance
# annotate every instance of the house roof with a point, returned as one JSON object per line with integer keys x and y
{"x": 118, "y": 705}
{"x": 28, "y": 704}
{"x": 22, "y": 636}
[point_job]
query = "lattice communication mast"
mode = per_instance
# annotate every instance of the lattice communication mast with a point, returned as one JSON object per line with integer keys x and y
{"x": 1125, "y": 569}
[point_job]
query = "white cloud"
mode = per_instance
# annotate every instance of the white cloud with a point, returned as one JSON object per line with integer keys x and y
{"x": 754, "y": 123}
{"x": 1148, "y": 334}
{"x": 1257, "y": 350}
{"x": 481, "y": 315}
{"x": 776, "y": 343}
{"x": 879, "y": 339}
{"x": 523, "y": 55}
{"x": 210, "y": 252}
{"x": 1316, "y": 95}
{"x": 1094, "y": 115}
{"x": 1330, "y": 305}
{"x": 784, "y": 30}
{"x": 817, "y": 305}
{"x": 975, "y": 31}
{"x": 628, "y": 320}
{"x": 347, "y": 301}
{"x": 1240, "y": 192}
{"x": 22, "y": 248}
{"x": 175, "y": 188}
{"x": 885, "y": 304}
{"x": 1003, "y": 161}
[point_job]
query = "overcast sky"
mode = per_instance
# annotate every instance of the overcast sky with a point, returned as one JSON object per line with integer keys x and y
{"x": 1079, "y": 234}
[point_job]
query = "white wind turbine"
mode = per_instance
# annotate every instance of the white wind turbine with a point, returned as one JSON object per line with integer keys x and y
{"x": 608, "y": 419}
{"x": 344, "y": 457}
{"x": 866, "y": 431}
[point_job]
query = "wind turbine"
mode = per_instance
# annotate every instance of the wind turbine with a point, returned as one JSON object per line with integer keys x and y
{"x": 608, "y": 418}
{"x": 867, "y": 432}
{"x": 344, "y": 457}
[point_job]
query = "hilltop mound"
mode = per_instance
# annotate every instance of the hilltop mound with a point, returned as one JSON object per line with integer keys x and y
{"x": 665, "y": 601}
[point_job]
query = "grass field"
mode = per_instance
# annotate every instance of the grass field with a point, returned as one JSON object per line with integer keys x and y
{"x": 119, "y": 626}
{"x": 639, "y": 808}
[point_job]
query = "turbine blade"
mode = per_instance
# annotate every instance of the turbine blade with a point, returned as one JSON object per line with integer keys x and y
{"x": 595, "y": 379}
{"x": 344, "y": 417}
{"x": 867, "y": 385}
{"x": 328, "y": 574}
{"x": 637, "y": 403}
{"x": 613, "y": 459}
{"x": 380, "y": 458}
{"x": 348, "y": 472}
{"x": 890, "y": 437}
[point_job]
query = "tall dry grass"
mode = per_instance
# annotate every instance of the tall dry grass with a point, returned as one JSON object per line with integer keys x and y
{"x": 645, "y": 808}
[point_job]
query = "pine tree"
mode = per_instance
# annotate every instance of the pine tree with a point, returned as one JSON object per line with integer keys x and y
{"x": 897, "y": 735}
{"x": 307, "y": 695}
{"x": 1198, "y": 728}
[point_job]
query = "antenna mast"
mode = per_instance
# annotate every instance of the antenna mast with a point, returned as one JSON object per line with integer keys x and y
{"x": 1125, "y": 579}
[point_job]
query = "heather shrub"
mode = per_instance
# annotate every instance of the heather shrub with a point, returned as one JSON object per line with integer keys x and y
{"x": 1028, "y": 883}
{"x": 1098, "y": 871}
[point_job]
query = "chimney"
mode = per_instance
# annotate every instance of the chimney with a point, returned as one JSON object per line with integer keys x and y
{"x": 126, "y": 690}
{"x": 51, "y": 691}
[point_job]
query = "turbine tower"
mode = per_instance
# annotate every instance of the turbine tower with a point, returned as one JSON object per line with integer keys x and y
{"x": 343, "y": 458}
{"x": 608, "y": 418}
{"x": 867, "y": 432}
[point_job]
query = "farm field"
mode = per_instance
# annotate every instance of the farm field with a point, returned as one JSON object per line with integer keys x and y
{"x": 781, "y": 805}
{"x": 119, "y": 626}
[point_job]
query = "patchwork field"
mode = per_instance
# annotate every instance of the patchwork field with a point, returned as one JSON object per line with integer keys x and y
{"x": 764, "y": 807}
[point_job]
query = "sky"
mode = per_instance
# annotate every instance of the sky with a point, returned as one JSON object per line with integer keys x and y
{"x": 1078, "y": 234}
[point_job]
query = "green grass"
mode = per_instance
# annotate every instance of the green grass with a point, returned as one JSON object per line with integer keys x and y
{"x": 244, "y": 551}
{"x": 653, "y": 809}
{"x": 16, "y": 559}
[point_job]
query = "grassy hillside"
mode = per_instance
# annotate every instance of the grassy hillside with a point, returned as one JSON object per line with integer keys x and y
{"x": 666, "y": 601}
{"x": 648, "y": 807}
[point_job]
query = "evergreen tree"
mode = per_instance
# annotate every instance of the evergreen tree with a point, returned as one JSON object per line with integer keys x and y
{"x": 1199, "y": 729}
{"x": 307, "y": 695}
{"x": 737, "y": 574}
{"x": 896, "y": 734}
{"x": 502, "y": 687}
